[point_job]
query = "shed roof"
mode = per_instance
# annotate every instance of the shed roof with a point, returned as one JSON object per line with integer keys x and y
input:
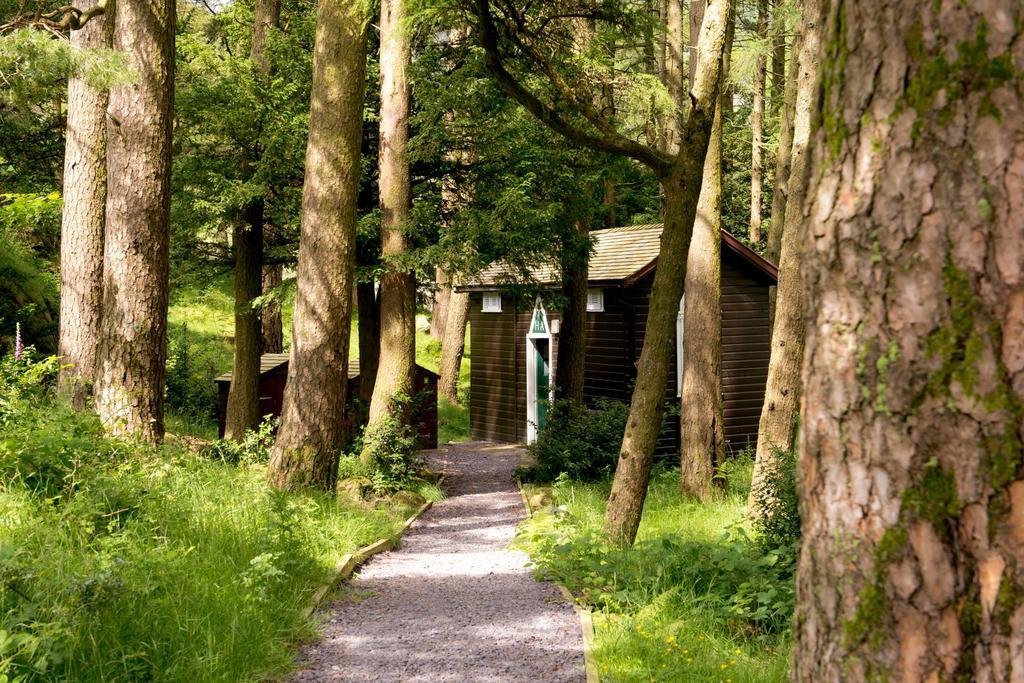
{"x": 272, "y": 361}
{"x": 621, "y": 256}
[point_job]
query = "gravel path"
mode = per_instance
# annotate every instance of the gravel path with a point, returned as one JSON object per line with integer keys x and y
{"x": 453, "y": 603}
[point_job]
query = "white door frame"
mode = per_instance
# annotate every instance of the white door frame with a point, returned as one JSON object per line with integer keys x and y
{"x": 531, "y": 370}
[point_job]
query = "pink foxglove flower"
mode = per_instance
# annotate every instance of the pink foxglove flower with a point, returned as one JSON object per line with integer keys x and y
{"x": 19, "y": 348}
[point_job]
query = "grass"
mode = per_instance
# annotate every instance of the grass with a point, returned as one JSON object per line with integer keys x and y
{"x": 201, "y": 329}
{"x": 126, "y": 562}
{"x": 683, "y": 603}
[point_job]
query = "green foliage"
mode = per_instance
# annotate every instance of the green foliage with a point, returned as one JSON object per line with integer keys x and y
{"x": 29, "y": 234}
{"x": 696, "y": 591}
{"x": 254, "y": 448}
{"x": 389, "y": 448}
{"x": 191, "y": 367}
{"x": 582, "y": 443}
{"x": 121, "y": 561}
{"x": 779, "y": 527}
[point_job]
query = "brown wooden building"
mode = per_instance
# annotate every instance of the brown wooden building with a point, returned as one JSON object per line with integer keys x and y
{"x": 274, "y": 375}
{"x": 514, "y": 346}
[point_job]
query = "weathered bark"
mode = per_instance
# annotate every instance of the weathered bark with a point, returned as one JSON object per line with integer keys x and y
{"x": 439, "y": 312}
{"x": 243, "y": 409}
{"x": 777, "y": 34}
{"x": 681, "y": 188}
{"x": 266, "y": 15}
{"x": 454, "y": 345}
{"x": 133, "y": 329}
{"x": 368, "y": 307}
{"x": 912, "y": 558}
{"x": 572, "y": 339}
{"x": 696, "y": 21}
{"x": 778, "y": 425}
{"x": 701, "y": 434}
{"x": 397, "y": 285}
{"x": 271, "y": 324}
{"x": 312, "y": 421}
{"x": 757, "y": 126}
{"x": 783, "y": 156}
{"x": 674, "y": 66}
{"x": 85, "y": 198}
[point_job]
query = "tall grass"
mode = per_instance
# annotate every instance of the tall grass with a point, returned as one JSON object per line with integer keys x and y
{"x": 693, "y": 600}
{"x": 127, "y": 562}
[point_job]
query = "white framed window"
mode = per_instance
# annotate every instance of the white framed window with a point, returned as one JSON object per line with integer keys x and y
{"x": 680, "y": 328}
{"x": 595, "y": 300}
{"x": 492, "y": 302}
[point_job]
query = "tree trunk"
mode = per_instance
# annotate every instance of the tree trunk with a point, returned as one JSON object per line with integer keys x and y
{"x": 271, "y": 325}
{"x": 681, "y": 188}
{"x": 454, "y": 345}
{"x": 133, "y": 329}
{"x": 368, "y": 307}
{"x": 397, "y": 286}
{"x": 313, "y": 417}
{"x": 674, "y": 68}
{"x": 696, "y": 21}
{"x": 439, "y": 313}
{"x": 85, "y": 197}
{"x": 778, "y": 425}
{"x": 572, "y": 338}
{"x": 243, "y": 409}
{"x": 783, "y": 156}
{"x": 266, "y": 15}
{"x": 701, "y": 435}
{"x": 777, "y": 34}
{"x": 757, "y": 126}
{"x": 912, "y": 557}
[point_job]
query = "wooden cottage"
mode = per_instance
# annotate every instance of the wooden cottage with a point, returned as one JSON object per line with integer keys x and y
{"x": 274, "y": 375}
{"x": 513, "y": 347}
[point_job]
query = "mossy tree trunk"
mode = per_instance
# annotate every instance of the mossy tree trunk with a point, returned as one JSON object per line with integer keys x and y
{"x": 912, "y": 559}
{"x": 453, "y": 346}
{"x": 778, "y": 424}
{"x": 368, "y": 310}
{"x": 313, "y": 417}
{"x": 397, "y": 284}
{"x": 784, "y": 155}
{"x": 757, "y": 125}
{"x": 271, "y": 324}
{"x": 82, "y": 221}
{"x": 442, "y": 294}
{"x": 129, "y": 387}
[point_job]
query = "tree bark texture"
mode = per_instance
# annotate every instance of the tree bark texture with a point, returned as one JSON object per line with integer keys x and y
{"x": 783, "y": 156}
{"x": 133, "y": 330}
{"x": 777, "y": 34}
{"x": 674, "y": 66}
{"x": 912, "y": 558}
{"x": 266, "y": 15}
{"x": 701, "y": 435}
{"x": 778, "y": 424}
{"x": 681, "y": 188}
{"x": 271, "y": 324}
{"x": 439, "y": 313}
{"x": 368, "y": 307}
{"x": 757, "y": 126}
{"x": 312, "y": 421}
{"x": 572, "y": 339}
{"x": 454, "y": 345}
{"x": 243, "y": 409}
{"x": 397, "y": 286}
{"x": 85, "y": 198}
{"x": 696, "y": 21}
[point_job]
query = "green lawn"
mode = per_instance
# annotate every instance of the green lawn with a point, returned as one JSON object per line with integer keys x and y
{"x": 683, "y": 604}
{"x": 201, "y": 329}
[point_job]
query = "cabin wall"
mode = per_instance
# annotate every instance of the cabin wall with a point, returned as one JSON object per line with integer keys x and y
{"x": 746, "y": 349}
{"x": 495, "y": 363}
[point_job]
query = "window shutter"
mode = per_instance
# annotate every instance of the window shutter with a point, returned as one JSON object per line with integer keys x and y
{"x": 595, "y": 300}
{"x": 492, "y": 302}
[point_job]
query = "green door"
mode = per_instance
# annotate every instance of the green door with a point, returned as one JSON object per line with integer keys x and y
{"x": 543, "y": 369}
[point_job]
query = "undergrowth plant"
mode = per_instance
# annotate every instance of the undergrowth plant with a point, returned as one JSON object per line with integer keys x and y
{"x": 389, "y": 448}
{"x": 582, "y": 443}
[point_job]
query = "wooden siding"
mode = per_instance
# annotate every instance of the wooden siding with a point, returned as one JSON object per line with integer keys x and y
{"x": 614, "y": 340}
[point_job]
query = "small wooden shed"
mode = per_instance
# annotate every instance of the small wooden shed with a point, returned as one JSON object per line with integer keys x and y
{"x": 274, "y": 376}
{"x": 514, "y": 347}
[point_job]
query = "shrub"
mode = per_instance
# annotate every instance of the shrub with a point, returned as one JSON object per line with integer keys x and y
{"x": 191, "y": 368}
{"x": 779, "y": 527}
{"x": 389, "y": 449}
{"x": 582, "y": 443}
{"x": 254, "y": 448}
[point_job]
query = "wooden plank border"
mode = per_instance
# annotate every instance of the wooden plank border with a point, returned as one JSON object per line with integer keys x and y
{"x": 350, "y": 562}
{"x": 585, "y": 616}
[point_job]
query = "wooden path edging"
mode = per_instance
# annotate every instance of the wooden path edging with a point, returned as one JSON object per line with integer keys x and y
{"x": 585, "y": 616}
{"x": 352, "y": 561}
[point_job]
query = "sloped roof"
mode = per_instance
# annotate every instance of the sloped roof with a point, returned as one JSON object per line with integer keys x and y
{"x": 272, "y": 361}
{"x": 621, "y": 255}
